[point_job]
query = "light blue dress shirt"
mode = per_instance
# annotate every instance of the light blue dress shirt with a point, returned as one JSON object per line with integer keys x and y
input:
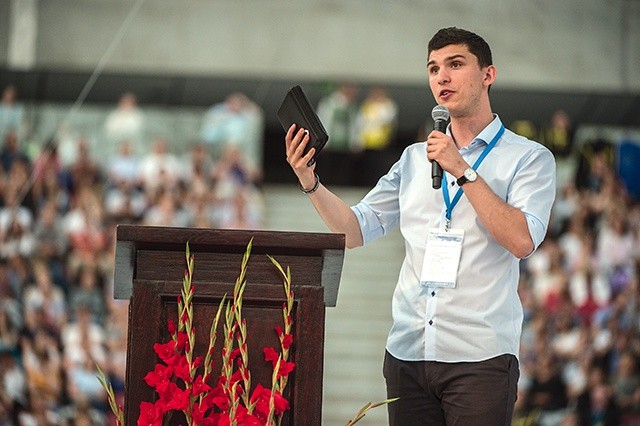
{"x": 482, "y": 316}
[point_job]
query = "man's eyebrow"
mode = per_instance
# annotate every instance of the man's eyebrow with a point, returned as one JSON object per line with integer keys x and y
{"x": 448, "y": 58}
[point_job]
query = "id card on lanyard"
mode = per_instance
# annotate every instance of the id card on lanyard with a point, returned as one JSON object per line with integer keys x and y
{"x": 444, "y": 246}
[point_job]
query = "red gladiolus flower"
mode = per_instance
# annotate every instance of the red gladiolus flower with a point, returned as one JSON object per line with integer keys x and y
{"x": 287, "y": 340}
{"x": 166, "y": 351}
{"x": 223, "y": 419}
{"x": 199, "y": 386}
{"x": 172, "y": 327}
{"x": 245, "y": 419}
{"x": 285, "y": 368}
{"x": 261, "y": 397}
{"x": 182, "y": 341}
{"x": 173, "y": 397}
{"x": 235, "y": 354}
{"x": 150, "y": 415}
{"x": 181, "y": 368}
{"x": 270, "y": 355}
{"x": 160, "y": 374}
{"x": 199, "y": 415}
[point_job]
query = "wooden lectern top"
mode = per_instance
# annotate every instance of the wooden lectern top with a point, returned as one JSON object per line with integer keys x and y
{"x": 157, "y": 253}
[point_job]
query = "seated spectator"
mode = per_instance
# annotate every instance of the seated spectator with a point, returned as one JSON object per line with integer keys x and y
{"x": 167, "y": 211}
{"x": 123, "y": 167}
{"x": 237, "y": 121}
{"x": 615, "y": 248}
{"x": 596, "y": 405}
{"x": 12, "y": 113}
{"x": 10, "y": 321}
{"x": 42, "y": 363}
{"x": 44, "y": 303}
{"x": 557, "y": 135}
{"x": 126, "y": 121}
{"x": 375, "y": 131}
{"x": 16, "y": 222}
{"x": 240, "y": 211}
{"x": 85, "y": 170}
{"x": 337, "y": 112}
{"x": 86, "y": 291}
{"x": 86, "y": 230}
{"x": 233, "y": 171}
{"x": 160, "y": 170}
{"x": 51, "y": 240}
{"x": 199, "y": 171}
{"x": 124, "y": 202}
{"x": 39, "y": 411}
{"x": 626, "y": 387}
{"x": 13, "y": 384}
{"x": 84, "y": 348}
{"x": 547, "y": 392}
{"x": 11, "y": 152}
{"x": 525, "y": 128}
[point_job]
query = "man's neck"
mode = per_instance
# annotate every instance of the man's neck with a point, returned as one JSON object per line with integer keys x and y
{"x": 465, "y": 129}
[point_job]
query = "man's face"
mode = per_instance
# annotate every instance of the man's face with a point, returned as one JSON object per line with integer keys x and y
{"x": 456, "y": 79}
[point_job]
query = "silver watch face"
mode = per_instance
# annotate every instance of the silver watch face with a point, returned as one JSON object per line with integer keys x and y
{"x": 470, "y": 174}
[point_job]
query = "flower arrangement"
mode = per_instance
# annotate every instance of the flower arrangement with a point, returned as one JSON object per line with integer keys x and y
{"x": 185, "y": 383}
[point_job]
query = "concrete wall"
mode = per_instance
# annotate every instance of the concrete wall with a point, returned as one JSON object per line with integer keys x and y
{"x": 538, "y": 44}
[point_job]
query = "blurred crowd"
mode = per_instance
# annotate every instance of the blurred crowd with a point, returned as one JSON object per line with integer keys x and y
{"x": 58, "y": 210}
{"x": 59, "y": 206}
{"x": 580, "y": 346}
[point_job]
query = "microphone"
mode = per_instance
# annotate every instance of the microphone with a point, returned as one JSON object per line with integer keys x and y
{"x": 440, "y": 115}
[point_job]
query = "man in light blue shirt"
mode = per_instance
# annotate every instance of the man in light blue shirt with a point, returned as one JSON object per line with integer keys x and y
{"x": 452, "y": 350}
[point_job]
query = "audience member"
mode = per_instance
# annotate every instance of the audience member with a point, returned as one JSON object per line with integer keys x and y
{"x": 42, "y": 363}
{"x": 13, "y": 385}
{"x": 166, "y": 211}
{"x": 83, "y": 342}
{"x": 160, "y": 170}
{"x": 375, "y": 129}
{"x": 85, "y": 171}
{"x": 123, "y": 167}
{"x": 11, "y": 152}
{"x": 338, "y": 111}
{"x": 558, "y": 135}
{"x": 15, "y": 226}
{"x": 126, "y": 121}
{"x": 86, "y": 230}
{"x": 596, "y": 405}
{"x": 44, "y": 302}
{"x": 12, "y": 114}
{"x": 125, "y": 202}
{"x": 235, "y": 121}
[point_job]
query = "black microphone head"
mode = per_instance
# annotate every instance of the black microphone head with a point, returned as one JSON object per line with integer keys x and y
{"x": 440, "y": 113}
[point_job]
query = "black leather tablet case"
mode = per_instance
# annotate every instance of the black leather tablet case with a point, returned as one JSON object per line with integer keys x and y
{"x": 297, "y": 109}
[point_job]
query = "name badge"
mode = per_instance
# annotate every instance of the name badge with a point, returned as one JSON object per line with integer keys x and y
{"x": 442, "y": 258}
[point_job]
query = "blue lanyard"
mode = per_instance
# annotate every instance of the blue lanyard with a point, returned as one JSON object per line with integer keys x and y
{"x": 445, "y": 190}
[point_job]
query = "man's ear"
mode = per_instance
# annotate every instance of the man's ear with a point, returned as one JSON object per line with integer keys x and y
{"x": 490, "y": 74}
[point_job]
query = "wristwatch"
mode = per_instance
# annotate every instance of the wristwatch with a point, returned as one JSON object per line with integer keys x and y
{"x": 469, "y": 175}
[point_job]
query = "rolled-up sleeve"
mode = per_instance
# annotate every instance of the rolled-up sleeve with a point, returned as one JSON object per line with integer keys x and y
{"x": 379, "y": 211}
{"x": 533, "y": 191}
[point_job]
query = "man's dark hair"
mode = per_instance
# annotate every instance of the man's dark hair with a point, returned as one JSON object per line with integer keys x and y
{"x": 452, "y": 35}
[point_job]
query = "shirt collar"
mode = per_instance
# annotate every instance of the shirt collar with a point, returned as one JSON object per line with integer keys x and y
{"x": 485, "y": 135}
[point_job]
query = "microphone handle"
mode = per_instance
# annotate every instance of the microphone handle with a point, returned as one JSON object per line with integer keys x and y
{"x": 436, "y": 170}
{"x": 436, "y": 175}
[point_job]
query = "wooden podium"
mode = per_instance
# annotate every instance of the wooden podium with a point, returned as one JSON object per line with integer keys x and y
{"x": 150, "y": 265}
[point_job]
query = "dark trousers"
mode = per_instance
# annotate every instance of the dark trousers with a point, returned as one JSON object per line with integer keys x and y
{"x": 463, "y": 393}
